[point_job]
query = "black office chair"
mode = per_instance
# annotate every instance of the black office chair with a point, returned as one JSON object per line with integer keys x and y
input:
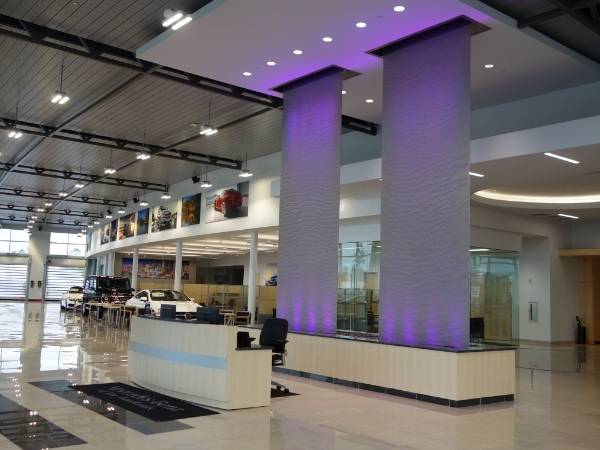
{"x": 274, "y": 334}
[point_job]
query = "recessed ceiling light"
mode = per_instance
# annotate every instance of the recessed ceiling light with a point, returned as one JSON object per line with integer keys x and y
{"x": 475, "y": 174}
{"x": 48, "y": 204}
{"x": 344, "y": 92}
{"x": 143, "y": 156}
{"x": 562, "y": 158}
{"x": 369, "y": 100}
{"x": 479, "y": 249}
{"x": 171, "y": 17}
{"x": 297, "y": 52}
{"x": 271, "y": 63}
{"x": 79, "y": 185}
{"x": 247, "y": 74}
{"x": 489, "y": 66}
{"x": 361, "y": 25}
{"x": 327, "y": 39}
{"x": 182, "y": 22}
{"x": 399, "y": 8}
{"x": 568, "y": 216}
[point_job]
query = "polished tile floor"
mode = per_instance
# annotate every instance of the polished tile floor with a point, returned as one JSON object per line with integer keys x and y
{"x": 557, "y": 404}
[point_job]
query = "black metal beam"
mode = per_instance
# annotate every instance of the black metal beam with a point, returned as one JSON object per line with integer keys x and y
{"x": 98, "y": 51}
{"x": 572, "y": 8}
{"x": 43, "y": 130}
{"x": 86, "y": 178}
{"x": 18, "y": 192}
{"x": 32, "y": 211}
{"x": 74, "y": 224}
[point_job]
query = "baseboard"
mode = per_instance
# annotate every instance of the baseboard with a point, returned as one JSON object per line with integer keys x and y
{"x": 399, "y": 393}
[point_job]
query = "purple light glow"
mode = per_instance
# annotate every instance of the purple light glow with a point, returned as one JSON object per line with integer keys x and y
{"x": 309, "y": 205}
{"x": 425, "y": 203}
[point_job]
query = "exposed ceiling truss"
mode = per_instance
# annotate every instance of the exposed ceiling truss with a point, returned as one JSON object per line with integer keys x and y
{"x": 52, "y": 198}
{"x": 64, "y": 212}
{"x": 83, "y": 177}
{"x": 585, "y": 12}
{"x": 44, "y": 130}
{"x": 59, "y": 222}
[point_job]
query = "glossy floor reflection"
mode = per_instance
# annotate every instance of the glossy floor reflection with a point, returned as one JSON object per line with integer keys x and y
{"x": 557, "y": 404}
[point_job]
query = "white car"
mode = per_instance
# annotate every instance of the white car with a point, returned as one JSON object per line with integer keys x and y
{"x": 72, "y": 299}
{"x": 150, "y": 301}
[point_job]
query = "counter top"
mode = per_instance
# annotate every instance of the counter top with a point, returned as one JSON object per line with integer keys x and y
{"x": 372, "y": 338}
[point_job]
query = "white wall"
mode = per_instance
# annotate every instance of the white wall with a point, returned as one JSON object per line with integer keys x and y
{"x": 39, "y": 247}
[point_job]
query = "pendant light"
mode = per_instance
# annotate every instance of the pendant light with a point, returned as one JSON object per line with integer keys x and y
{"x": 80, "y": 184}
{"x": 63, "y": 193}
{"x": 143, "y": 202}
{"x": 110, "y": 169}
{"x": 205, "y": 183}
{"x": 144, "y": 154}
{"x": 208, "y": 129}
{"x": 245, "y": 173}
{"x": 60, "y": 97}
{"x": 14, "y": 132}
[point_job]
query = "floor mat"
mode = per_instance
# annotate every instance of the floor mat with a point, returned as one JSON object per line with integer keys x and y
{"x": 149, "y": 404}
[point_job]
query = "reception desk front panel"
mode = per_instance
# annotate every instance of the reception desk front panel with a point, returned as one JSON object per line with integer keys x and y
{"x": 198, "y": 363}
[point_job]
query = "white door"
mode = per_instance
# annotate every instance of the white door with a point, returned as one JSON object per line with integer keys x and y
{"x": 59, "y": 279}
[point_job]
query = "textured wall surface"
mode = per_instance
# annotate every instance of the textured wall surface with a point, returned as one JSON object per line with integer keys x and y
{"x": 309, "y": 211}
{"x": 425, "y": 195}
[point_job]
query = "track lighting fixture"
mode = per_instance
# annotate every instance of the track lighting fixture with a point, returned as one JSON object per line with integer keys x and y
{"x": 63, "y": 194}
{"x": 175, "y": 19}
{"x": 60, "y": 97}
{"x": 79, "y": 185}
{"x": 135, "y": 200}
{"x": 208, "y": 129}
{"x": 61, "y": 221}
{"x": 143, "y": 156}
{"x": 245, "y": 173}
{"x": 195, "y": 179}
{"x": 40, "y": 210}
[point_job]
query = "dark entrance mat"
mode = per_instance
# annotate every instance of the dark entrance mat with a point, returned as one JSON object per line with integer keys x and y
{"x": 152, "y": 405}
{"x": 275, "y": 393}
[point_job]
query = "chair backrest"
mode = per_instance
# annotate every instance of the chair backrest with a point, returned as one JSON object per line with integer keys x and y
{"x": 273, "y": 334}
{"x": 208, "y": 314}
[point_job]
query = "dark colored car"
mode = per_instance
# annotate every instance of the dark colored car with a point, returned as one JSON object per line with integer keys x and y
{"x": 98, "y": 288}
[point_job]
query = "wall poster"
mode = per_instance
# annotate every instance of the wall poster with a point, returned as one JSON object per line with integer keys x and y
{"x": 164, "y": 217}
{"x": 105, "y": 238}
{"x": 190, "y": 210}
{"x": 114, "y": 226}
{"x": 127, "y": 226}
{"x": 142, "y": 221}
{"x": 155, "y": 268}
{"x": 228, "y": 203}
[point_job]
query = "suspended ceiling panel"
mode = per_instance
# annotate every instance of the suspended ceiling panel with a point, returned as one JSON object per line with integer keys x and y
{"x": 269, "y": 30}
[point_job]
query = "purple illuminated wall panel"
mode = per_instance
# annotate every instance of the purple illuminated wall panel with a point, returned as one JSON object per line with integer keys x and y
{"x": 309, "y": 204}
{"x": 425, "y": 195}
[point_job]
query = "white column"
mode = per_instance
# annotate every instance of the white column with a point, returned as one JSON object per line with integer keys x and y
{"x": 178, "y": 265}
{"x": 135, "y": 268}
{"x": 252, "y": 275}
{"x": 110, "y": 264}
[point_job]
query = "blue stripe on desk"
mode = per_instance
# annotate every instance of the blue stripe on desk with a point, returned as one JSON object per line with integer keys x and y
{"x": 192, "y": 359}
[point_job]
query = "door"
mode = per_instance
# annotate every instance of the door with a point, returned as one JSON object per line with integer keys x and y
{"x": 59, "y": 279}
{"x": 13, "y": 281}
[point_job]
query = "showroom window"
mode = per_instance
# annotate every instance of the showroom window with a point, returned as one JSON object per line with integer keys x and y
{"x": 14, "y": 241}
{"x": 67, "y": 244}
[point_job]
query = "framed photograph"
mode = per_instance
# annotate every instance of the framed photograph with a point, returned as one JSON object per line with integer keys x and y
{"x": 228, "y": 203}
{"x": 114, "y": 226}
{"x": 127, "y": 226}
{"x": 143, "y": 219}
{"x": 155, "y": 268}
{"x": 105, "y": 239}
{"x": 190, "y": 210}
{"x": 164, "y": 217}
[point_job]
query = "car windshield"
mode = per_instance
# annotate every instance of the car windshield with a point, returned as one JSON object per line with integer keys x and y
{"x": 75, "y": 290}
{"x": 120, "y": 284}
{"x": 168, "y": 296}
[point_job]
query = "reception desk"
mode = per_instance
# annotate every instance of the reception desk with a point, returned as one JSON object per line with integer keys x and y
{"x": 475, "y": 375}
{"x": 198, "y": 363}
